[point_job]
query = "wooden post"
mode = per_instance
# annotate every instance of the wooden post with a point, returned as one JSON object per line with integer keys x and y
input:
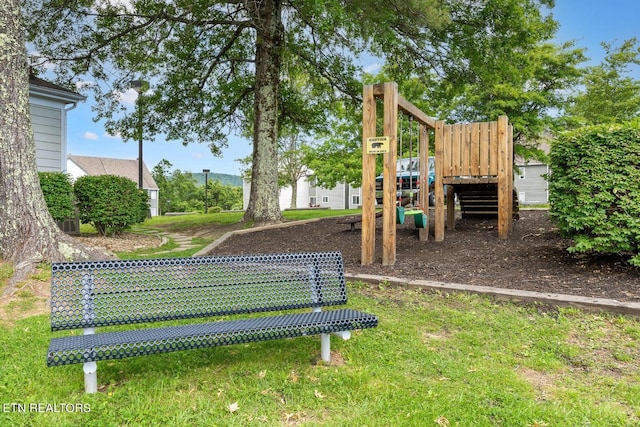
{"x": 423, "y": 233}
{"x": 510, "y": 174}
{"x": 451, "y": 208}
{"x": 439, "y": 185}
{"x": 368, "y": 178}
{"x": 503, "y": 179}
{"x": 390, "y": 114}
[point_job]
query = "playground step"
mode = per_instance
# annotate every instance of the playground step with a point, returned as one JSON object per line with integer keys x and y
{"x": 481, "y": 200}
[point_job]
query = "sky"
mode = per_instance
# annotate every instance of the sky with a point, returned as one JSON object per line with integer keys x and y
{"x": 587, "y": 22}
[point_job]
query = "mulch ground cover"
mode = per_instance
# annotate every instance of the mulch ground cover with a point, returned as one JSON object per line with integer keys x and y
{"x": 532, "y": 258}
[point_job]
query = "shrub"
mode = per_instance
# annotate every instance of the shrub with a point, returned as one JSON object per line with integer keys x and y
{"x": 594, "y": 189}
{"x": 58, "y": 194}
{"x": 110, "y": 203}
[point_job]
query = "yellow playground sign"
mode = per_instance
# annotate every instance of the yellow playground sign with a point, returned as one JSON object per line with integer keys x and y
{"x": 378, "y": 145}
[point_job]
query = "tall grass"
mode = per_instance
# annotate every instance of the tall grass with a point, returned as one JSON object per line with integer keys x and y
{"x": 434, "y": 360}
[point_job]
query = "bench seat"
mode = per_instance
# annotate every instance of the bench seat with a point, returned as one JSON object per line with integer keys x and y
{"x": 121, "y": 344}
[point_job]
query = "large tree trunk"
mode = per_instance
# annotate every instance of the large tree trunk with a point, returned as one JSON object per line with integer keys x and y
{"x": 28, "y": 234}
{"x": 264, "y": 207}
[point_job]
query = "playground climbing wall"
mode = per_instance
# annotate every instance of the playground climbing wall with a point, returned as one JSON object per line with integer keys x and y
{"x": 475, "y": 161}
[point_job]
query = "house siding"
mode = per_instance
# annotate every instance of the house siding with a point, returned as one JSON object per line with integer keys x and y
{"x": 47, "y": 124}
{"x": 531, "y": 185}
{"x": 339, "y": 197}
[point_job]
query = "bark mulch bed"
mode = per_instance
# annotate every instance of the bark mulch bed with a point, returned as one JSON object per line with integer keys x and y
{"x": 532, "y": 258}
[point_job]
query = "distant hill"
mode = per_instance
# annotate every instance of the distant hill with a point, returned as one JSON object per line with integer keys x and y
{"x": 222, "y": 178}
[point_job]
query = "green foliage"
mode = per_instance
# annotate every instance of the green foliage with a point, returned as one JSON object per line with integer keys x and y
{"x": 609, "y": 94}
{"x": 500, "y": 60}
{"x": 594, "y": 190}
{"x": 111, "y": 203}
{"x": 58, "y": 194}
{"x": 180, "y": 191}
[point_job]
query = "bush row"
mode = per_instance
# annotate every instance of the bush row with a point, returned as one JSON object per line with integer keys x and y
{"x": 594, "y": 189}
{"x": 110, "y": 203}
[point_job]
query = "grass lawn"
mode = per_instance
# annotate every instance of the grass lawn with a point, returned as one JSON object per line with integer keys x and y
{"x": 435, "y": 359}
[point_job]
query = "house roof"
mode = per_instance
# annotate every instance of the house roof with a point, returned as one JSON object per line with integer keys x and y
{"x": 127, "y": 168}
{"x": 45, "y": 88}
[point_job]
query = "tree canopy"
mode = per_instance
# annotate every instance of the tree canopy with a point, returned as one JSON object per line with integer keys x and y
{"x": 496, "y": 57}
{"x": 608, "y": 93}
{"x": 267, "y": 67}
{"x": 220, "y": 66}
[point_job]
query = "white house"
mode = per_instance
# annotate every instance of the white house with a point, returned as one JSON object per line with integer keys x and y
{"x": 78, "y": 166}
{"x": 48, "y": 107}
{"x": 342, "y": 196}
{"x": 529, "y": 179}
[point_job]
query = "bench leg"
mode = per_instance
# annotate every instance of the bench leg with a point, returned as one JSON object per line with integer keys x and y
{"x": 325, "y": 347}
{"x": 90, "y": 377}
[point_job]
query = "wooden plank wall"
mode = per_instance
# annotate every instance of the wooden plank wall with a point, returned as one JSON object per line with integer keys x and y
{"x": 470, "y": 150}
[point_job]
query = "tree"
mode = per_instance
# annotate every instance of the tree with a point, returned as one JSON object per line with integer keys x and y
{"x": 609, "y": 94}
{"x": 496, "y": 58}
{"x": 337, "y": 157}
{"x": 502, "y": 61}
{"x": 28, "y": 233}
{"x": 218, "y": 66}
{"x": 291, "y": 164}
{"x": 178, "y": 191}
{"x": 223, "y": 196}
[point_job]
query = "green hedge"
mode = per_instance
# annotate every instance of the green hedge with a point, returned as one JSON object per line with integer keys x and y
{"x": 594, "y": 189}
{"x": 111, "y": 203}
{"x": 58, "y": 194}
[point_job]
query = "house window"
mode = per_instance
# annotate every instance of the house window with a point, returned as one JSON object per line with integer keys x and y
{"x": 325, "y": 199}
{"x": 313, "y": 201}
{"x": 355, "y": 199}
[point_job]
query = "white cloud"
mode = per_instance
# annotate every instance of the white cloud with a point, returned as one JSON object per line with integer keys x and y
{"x": 90, "y": 136}
{"x": 373, "y": 68}
{"x": 110, "y": 136}
{"x": 197, "y": 155}
{"x": 129, "y": 97}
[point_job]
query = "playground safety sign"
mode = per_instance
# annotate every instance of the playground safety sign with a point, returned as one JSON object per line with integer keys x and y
{"x": 378, "y": 145}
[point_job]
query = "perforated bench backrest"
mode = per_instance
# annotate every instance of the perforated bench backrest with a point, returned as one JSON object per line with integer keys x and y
{"x": 98, "y": 293}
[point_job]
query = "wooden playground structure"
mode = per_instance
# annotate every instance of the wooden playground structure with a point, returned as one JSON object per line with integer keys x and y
{"x": 473, "y": 161}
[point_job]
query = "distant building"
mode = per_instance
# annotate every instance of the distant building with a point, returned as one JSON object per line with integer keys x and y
{"x": 48, "y": 107}
{"x": 342, "y": 196}
{"x": 529, "y": 180}
{"x": 78, "y": 166}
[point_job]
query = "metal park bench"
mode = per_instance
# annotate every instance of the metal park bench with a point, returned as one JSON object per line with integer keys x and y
{"x": 90, "y": 294}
